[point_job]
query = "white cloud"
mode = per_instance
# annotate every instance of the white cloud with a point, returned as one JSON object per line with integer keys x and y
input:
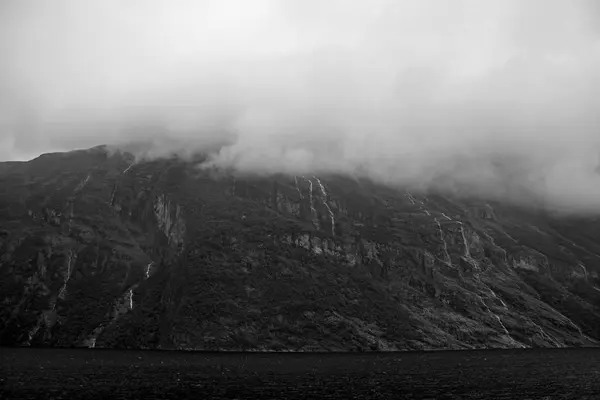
{"x": 404, "y": 91}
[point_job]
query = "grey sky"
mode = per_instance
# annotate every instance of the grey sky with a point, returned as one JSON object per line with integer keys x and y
{"x": 404, "y": 90}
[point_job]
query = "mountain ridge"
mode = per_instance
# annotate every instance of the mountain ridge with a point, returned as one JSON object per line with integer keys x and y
{"x": 99, "y": 250}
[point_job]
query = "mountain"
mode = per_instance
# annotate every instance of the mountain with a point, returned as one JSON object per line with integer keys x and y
{"x": 99, "y": 250}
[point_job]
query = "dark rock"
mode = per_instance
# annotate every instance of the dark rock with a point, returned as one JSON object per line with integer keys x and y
{"x": 100, "y": 251}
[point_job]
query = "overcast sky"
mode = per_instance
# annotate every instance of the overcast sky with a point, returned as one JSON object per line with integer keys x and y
{"x": 404, "y": 91}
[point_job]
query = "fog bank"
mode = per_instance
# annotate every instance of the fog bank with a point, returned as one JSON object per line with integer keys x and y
{"x": 494, "y": 97}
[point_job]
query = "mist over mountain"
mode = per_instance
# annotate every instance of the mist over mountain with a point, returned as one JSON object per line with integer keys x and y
{"x": 496, "y": 99}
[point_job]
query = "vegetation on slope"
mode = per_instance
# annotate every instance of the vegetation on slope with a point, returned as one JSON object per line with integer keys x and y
{"x": 98, "y": 251}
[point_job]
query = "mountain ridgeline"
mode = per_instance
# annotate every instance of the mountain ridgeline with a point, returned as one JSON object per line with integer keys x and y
{"x": 97, "y": 250}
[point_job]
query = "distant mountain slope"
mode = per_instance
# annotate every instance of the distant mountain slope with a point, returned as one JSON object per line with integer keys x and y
{"x": 98, "y": 251}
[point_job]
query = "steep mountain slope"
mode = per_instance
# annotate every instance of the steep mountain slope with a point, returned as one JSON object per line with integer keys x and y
{"x": 96, "y": 250}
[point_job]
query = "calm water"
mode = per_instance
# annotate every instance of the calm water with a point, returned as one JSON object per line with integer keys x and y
{"x": 481, "y": 374}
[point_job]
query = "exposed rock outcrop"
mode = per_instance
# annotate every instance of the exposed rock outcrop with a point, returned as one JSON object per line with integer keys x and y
{"x": 161, "y": 255}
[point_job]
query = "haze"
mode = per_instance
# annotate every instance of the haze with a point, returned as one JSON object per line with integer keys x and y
{"x": 494, "y": 97}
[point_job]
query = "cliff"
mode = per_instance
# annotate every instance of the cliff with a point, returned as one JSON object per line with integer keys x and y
{"x": 98, "y": 250}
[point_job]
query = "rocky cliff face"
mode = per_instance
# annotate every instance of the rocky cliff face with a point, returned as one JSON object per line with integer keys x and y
{"x": 96, "y": 250}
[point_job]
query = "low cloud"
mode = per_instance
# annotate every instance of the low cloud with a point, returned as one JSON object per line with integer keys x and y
{"x": 494, "y": 98}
